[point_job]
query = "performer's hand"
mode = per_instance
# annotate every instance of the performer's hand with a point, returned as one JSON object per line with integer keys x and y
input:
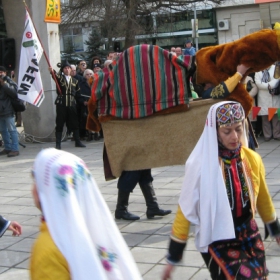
{"x": 167, "y": 271}
{"x": 15, "y": 227}
{"x": 85, "y": 103}
{"x": 50, "y": 69}
{"x": 241, "y": 68}
{"x": 278, "y": 240}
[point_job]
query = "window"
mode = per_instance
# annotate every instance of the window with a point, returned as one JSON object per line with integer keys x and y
{"x": 73, "y": 40}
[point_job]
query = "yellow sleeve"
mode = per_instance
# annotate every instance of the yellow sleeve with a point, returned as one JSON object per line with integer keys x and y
{"x": 47, "y": 262}
{"x": 263, "y": 201}
{"x": 233, "y": 81}
{"x": 265, "y": 205}
{"x": 180, "y": 228}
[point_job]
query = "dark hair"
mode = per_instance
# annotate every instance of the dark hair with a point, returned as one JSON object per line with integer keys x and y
{"x": 79, "y": 61}
{"x": 95, "y": 58}
{"x": 3, "y": 69}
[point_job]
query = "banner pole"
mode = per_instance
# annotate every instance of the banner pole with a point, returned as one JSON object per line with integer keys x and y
{"x": 45, "y": 54}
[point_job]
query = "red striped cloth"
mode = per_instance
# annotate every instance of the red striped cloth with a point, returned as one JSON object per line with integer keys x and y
{"x": 143, "y": 80}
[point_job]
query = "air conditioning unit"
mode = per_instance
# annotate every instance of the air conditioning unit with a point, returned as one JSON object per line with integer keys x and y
{"x": 223, "y": 24}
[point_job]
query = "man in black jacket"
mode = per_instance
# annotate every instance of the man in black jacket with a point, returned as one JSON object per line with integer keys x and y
{"x": 15, "y": 227}
{"x": 8, "y": 90}
{"x": 66, "y": 111}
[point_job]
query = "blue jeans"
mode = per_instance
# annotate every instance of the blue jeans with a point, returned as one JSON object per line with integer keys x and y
{"x": 9, "y": 133}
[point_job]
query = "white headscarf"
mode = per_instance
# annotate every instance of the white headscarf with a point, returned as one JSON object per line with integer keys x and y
{"x": 203, "y": 198}
{"x": 79, "y": 220}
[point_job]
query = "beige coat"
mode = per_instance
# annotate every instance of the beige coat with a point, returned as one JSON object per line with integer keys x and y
{"x": 265, "y": 99}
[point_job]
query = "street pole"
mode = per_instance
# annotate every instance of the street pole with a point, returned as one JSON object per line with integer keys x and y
{"x": 196, "y": 28}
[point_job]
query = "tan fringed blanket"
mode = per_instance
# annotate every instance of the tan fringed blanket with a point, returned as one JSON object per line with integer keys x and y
{"x": 157, "y": 141}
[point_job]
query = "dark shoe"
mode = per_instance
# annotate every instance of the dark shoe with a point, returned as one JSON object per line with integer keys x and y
{"x": 13, "y": 154}
{"x": 101, "y": 134}
{"x": 151, "y": 202}
{"x": 18, "y": 125}
{"x": 89, "y": 138}
{"x": 277, "y": 139}
{"x": 78, "y": 143}
{"x": 4, "y": 152}
{"x": 267, "y": 139}
{"x": 157, "y": 212}
{"x": 121, "y": 209}
{"x": 125, "y": 215}
{"x": 58, "y": 137}
{"x": 96, "y": 137}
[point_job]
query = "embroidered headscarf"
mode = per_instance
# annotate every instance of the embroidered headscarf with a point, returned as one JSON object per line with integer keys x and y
{"x": 79, "y": 220}
{"x": 203, "y": 198}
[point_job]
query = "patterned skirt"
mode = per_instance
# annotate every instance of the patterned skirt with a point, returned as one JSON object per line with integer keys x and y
{"x": 239, "y": 258}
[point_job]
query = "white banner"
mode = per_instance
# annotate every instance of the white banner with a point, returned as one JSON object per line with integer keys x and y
{"x": 30, "y": 88}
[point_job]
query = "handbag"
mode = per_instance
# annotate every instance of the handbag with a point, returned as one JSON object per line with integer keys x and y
{"x": 18, "y": 104}
{"x": 249, "y": 86}
{"x": 274, "y": 91}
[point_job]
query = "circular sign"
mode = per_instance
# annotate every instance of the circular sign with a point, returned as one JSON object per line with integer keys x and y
{"x": 28, "y": 34}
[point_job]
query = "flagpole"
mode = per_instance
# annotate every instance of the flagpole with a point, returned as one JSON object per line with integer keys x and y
{"x": 45, "y": 54}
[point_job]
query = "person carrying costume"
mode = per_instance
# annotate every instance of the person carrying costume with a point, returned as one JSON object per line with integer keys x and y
{"x": 66, "y": 111}
{"x": 78, "y": 237}
{"x": 223, "y": 188}
{"x": 126, "y": 184}
{"x": 224, "y": 89}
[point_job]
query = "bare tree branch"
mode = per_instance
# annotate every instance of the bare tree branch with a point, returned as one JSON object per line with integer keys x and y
{"x": 123, "y": 18}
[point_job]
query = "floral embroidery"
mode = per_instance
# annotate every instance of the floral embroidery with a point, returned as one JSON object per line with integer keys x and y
{"x": 218, "y": 92}
{"x": 107, "y": 259}
{"x": 65, "y": 169}
{"x": 61, "y": 185}
{"x": 69, "y": 176}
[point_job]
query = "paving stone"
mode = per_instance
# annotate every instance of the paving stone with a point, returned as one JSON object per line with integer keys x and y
{"x": 15, "y": 274}
{"x": 147, "y": 239}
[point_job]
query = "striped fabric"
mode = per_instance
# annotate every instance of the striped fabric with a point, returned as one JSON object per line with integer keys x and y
{"x": 143, "y": 80}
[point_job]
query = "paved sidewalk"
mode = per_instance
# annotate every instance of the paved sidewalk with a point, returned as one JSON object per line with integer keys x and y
{"x": 148, "y": 239}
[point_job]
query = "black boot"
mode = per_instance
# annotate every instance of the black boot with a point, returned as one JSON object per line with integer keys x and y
{"x": 151, "y": 202}
{"x": 96, "y": 136}
{"x": 78, "y": 143}
{"x": 89, "y": 137}
{"x": 58, "y": 136}
{"x": 121, "y": 210}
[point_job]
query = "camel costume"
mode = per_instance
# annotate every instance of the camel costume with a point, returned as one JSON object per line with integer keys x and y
{"x": 145, "y": 99}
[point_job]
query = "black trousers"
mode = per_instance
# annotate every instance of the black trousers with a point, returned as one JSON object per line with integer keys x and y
{"x": 66, "y": 115}
{"x": 129, "y": 179}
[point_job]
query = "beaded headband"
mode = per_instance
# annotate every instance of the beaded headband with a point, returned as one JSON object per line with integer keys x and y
{"x": 228, "y": 114}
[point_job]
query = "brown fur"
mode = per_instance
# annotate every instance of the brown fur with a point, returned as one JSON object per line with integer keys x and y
{"x": 93, "y": 123}
{"x": 217, "y": 63}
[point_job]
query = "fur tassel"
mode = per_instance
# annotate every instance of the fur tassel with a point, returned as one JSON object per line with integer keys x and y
{"x": 217, "y": 63}
{"x": 93, "y": 123}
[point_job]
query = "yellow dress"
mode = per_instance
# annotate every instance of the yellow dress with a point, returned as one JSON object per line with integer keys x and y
{"x": 47, "y": 262}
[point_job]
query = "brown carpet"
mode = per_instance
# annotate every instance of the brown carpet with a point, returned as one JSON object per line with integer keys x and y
{"x": 154, "y": 141}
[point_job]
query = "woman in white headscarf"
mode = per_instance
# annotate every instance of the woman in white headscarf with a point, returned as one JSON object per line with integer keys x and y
{"x": 223, "y": 188}
{"x": 78, "y": 238}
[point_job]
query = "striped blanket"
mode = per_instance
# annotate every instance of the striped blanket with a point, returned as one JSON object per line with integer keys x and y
{"x": 143, "y": 80}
